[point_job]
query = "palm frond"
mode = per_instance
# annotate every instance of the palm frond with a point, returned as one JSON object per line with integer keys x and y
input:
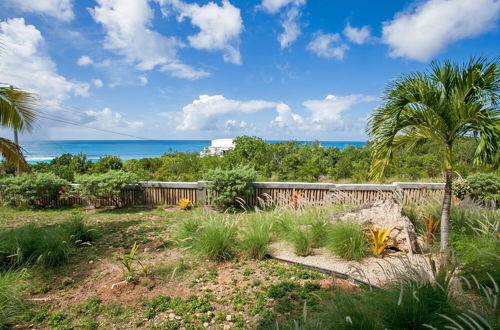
{"x": 17, "y": 108}
{"x": 13, "y": 155}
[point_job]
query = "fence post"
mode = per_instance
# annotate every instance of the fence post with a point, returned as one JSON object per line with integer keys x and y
{"x": 140, "y": 196}
{"x": 201, "y": 193}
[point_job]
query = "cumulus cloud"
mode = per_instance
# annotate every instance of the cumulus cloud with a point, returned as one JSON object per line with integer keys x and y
{"x": 108, "y": 120}
{"x": 25, "y": 65}
{"x": 422, "y": 31}
{"x": 328, "y": 112}
{"x": 357, "y": 35}
{"x": 274, "y": 6}
{"x": 286, "y": 118}
{"x": 202, "y": 113}
{"x": 85, "y": 61}
{"x": 59, "y": 9}
{"x": 290, "y": 18}
{"x": 128, "y": 33}
{"x": 220, "y": 26}
{"x": 328, "y": 45}
{"x": 97, "y": 83}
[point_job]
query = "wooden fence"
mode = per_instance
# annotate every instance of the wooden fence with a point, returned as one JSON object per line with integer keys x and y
{"x": 265, "y": 194}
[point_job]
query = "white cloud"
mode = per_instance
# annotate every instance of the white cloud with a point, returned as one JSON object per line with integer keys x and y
{"x": 328, "y": 112}
{"x": 357, "y": 35}
{"x": 220, "y": 27}
{"x": 128, "y": 33}
{"x": 286, "y": 118}
{"x": 59, "y": 9}
{"x": 291, "y": 27}
{"x": 328, "y": 45}
{"x": 85, "y": 61}
{"x": 289, "y": 19}
{"x": 203, "y": 112}
{"x": 143, "y": 80}
{"x": 232, "y": 124}
{"x": 97, "y": 83}
{"x": 274, "y": 6}
{"x": 424, "y": 30}
{"x": 25, "y": 65}
{"x": 109, "y": 120}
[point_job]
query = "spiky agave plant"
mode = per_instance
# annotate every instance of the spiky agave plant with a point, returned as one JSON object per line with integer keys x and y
{"x": 379, "y": 240}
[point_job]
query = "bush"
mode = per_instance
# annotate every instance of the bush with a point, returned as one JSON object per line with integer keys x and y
{"x": 107, "y": 163}
{"x": 346, "y": 239}
{"x": 229, "y": 187}
{"x": 32, "y": 189}
{"x": 31, "y": 244}
{"x": 12, "y": 303}
{"x": 460, "y": 188}
{"x": 485, "y": 186}
{"x": 216, "y": 239}
{"x": 256, "y": 238}
{"x": 77, "y": 231}
{"x": 103, "y": 186}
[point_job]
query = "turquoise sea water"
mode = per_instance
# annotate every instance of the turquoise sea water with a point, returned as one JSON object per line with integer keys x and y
{"x": 44, "y": 151}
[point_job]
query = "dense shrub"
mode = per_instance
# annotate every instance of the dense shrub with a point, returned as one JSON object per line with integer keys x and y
{"x": 229, "y": 187}
{"x": 105, "y": 185}
{"x": 66, "y": 166}
{"x": 485, "y": 186}
{"x": 12, "y": 303}
{"x": 107, "y": 163}
{"x": 31, "y": 189}
{"x": 216, "y": 239}
{"x": 346, "y": 239}
{"x": 32, "y": 244}
{"x": 256, "y": 237}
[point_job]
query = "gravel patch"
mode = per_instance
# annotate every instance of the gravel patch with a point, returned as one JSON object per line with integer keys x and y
{"x": 376, "y": 271}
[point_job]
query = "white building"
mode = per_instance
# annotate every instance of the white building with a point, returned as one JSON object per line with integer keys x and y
{"x": 218, "y": 147}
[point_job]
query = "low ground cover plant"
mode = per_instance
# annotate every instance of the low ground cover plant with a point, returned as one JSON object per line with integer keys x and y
{"x": 347, "y": 240}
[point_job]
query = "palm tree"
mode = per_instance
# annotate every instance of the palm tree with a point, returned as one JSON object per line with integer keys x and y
{"x": 17, "y": 111}
{"x": 441, "y": 105}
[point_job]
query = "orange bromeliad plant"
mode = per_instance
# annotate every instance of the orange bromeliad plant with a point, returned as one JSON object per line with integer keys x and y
{"x": 431, "y": 228}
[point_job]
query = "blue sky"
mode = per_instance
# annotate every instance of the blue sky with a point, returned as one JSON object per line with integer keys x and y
{"x": 175, "y": 69}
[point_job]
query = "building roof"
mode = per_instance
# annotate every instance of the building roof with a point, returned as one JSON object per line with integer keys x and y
{"x": 222, "y": 143}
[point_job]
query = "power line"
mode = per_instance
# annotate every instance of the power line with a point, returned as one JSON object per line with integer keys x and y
{"x": 90, "y": 127}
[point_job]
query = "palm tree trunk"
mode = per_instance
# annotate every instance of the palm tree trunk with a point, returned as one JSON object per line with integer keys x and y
{"x": 445, "y": 212}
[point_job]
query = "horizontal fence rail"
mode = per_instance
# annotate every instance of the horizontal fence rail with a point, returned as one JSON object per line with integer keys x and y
{"x": 265, "y": 194}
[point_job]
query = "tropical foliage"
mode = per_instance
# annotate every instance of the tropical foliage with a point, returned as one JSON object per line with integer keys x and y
{"x": 442, "y": 106}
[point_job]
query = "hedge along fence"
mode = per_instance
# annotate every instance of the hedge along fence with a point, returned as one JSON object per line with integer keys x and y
{"x": 265, "y": 194}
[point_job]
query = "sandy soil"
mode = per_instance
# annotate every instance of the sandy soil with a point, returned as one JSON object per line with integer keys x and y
{"x": 376, "y": 271}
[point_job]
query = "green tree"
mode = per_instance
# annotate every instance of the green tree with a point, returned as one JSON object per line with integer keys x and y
{"x": 108, "y": 163}
{"x": 17, "y": 112}
{"x": 442, "y": 105}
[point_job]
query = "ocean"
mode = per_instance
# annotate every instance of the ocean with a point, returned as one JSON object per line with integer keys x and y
{"x": 44, "y": 151}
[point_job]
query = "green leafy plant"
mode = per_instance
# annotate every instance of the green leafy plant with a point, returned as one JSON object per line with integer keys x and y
{"x": 460, "y": 188}
{"x": 229, "y": 187}
{"x": 485, "y": 186}
{"x": 347, "y": 240}
{"x": 216, "y": 239}
{"x": 256, "y": 238}
{"x": 103, "y": 186}
{"x": 32, "y": 189}
{"x": 128, "y": 259}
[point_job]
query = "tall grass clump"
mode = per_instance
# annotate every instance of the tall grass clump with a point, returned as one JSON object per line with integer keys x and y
{"x": 347, "y": 240}
{"x": 77, "y": 231}
{"x": 216, "y": 239}
{"x": 12, "y": 303}
{"x": 187, "y": 229}
{"x": 301, "y": 238}
{"x": 32, "y": 244}
{"x": 256, "y": 237}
